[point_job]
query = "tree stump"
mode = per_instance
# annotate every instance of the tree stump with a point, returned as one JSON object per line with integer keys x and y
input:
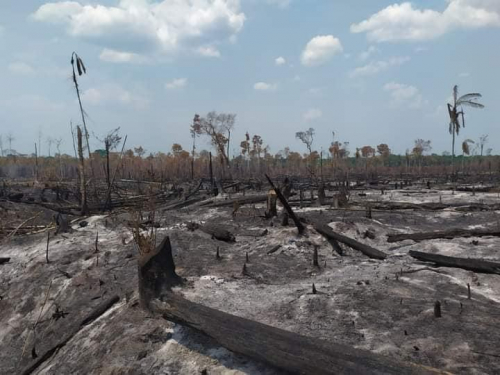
{"x": 157, "y": 273}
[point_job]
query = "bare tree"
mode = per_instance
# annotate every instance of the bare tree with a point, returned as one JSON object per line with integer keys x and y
{"x": 50, "y": 141}
{"x": 58, "y": 142}
{"x": 456, "y": 114}
{"x": 111, "y": 141}
{"x": 482, "y": 142}
{"x": 421, "y": 147}
{"x": 216, "y": 126}
{"x": 40, "y": 135}
{"x": 307, "y": 137}
{"x": 10, "y": 139}
{"x": 195, "y": 130}
{"x": 83, "y": 183}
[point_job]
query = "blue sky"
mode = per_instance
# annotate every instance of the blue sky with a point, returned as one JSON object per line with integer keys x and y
{"x": 372, "y": 71}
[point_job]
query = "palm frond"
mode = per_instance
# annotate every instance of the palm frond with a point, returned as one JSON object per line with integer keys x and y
{"x": 473, "y": 95}
{"x": 470, "y": 103}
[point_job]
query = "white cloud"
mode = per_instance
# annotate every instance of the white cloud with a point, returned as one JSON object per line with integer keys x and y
{"x": 21, "y": 68}
{"x": 176, "y": 83}
{"x": 280, "y": 61}
{"x": 208, "y": 51}
{"x": 365, "y": 55}
{"x": 402, "y": 94}
{"x": 296, "y": 78}
{"x": 315, "y": 91}
{"x": 280, "y": 3}
{"x": 33, "y": 102}
{"x": 421, "y": 49}
{"x": 312, "y": 114}
{"x": 320, "y": 50}
{"x": 263, "y": 86}
{"x": 376, "y": 67}
{"x": 403, "y": 22}
{"x": 160, "y": 26}
{"x": 113, "y": 56}
{"x": 464, "y": 75}
{"x": 109, "y": 94}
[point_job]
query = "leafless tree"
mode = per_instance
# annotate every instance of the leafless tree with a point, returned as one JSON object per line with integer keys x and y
{"x": 50, "y": 141}
{"x": 482, "y": 142}
{"x": 10, "y": 139}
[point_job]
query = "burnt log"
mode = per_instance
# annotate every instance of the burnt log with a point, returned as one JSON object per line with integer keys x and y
{"x": 369, "y": 251}
{"x": 93, "y": 315}
{"x": 446, "y": 234}
{"x": 279, "y": 348}
{"x": 300, "y": 227}
{"x": 218, "y": 232}
{"x": 282, "y": 349}
{"x": 4, "y": 260}
{"x": 475, "y": 265}
{"x": 240, "y": 201}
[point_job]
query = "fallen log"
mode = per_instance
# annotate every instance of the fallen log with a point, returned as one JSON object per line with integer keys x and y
{"x": 279, "y": 348}
{"x": 182, "y": 204}
{"x": 274, "y": 249}
{"x": 369, "y": 251}
{"x": 240, "y": 201}
{"x": 93, "y": 315}
{"x": 447, "y": 234}
{"x": 282, "y": 349}
{"x": 476, "y": 265}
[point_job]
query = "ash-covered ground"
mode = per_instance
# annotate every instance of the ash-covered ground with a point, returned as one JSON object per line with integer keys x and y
{"x": 383, "y": 306}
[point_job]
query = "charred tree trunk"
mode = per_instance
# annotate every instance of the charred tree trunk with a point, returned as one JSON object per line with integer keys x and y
{"x": 448, "y": 234}
{"x": 369, "y": 251}
{"x": 156, "y": 273}
{"x": 83, "y": 182}
{"x": 476, "y": 265}
{"x": 300, "y": 227}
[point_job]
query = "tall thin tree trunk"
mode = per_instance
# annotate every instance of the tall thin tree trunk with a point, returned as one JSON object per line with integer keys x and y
{"x": 36, "y": 164}
{"x": 108, "y": 177}
{"x": 211, "y": 172}
{"x": 453, "y": 151}
{"x": 83, "y": 185}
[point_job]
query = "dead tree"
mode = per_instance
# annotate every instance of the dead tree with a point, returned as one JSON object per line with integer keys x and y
{"x": 157, "y": 273}
{"x": 300, "y": 227}
{"x": 271, "y": 204}
{"x": 83, "y": 182}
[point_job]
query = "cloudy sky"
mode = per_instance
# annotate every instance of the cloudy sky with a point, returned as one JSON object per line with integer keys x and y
{"x": 372, "y": 71}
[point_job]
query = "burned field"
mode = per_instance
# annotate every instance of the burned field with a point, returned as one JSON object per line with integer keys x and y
{"x": 361, "y": 281}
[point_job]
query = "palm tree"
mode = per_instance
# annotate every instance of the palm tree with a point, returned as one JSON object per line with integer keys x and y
{"x": 455, "y": 114}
